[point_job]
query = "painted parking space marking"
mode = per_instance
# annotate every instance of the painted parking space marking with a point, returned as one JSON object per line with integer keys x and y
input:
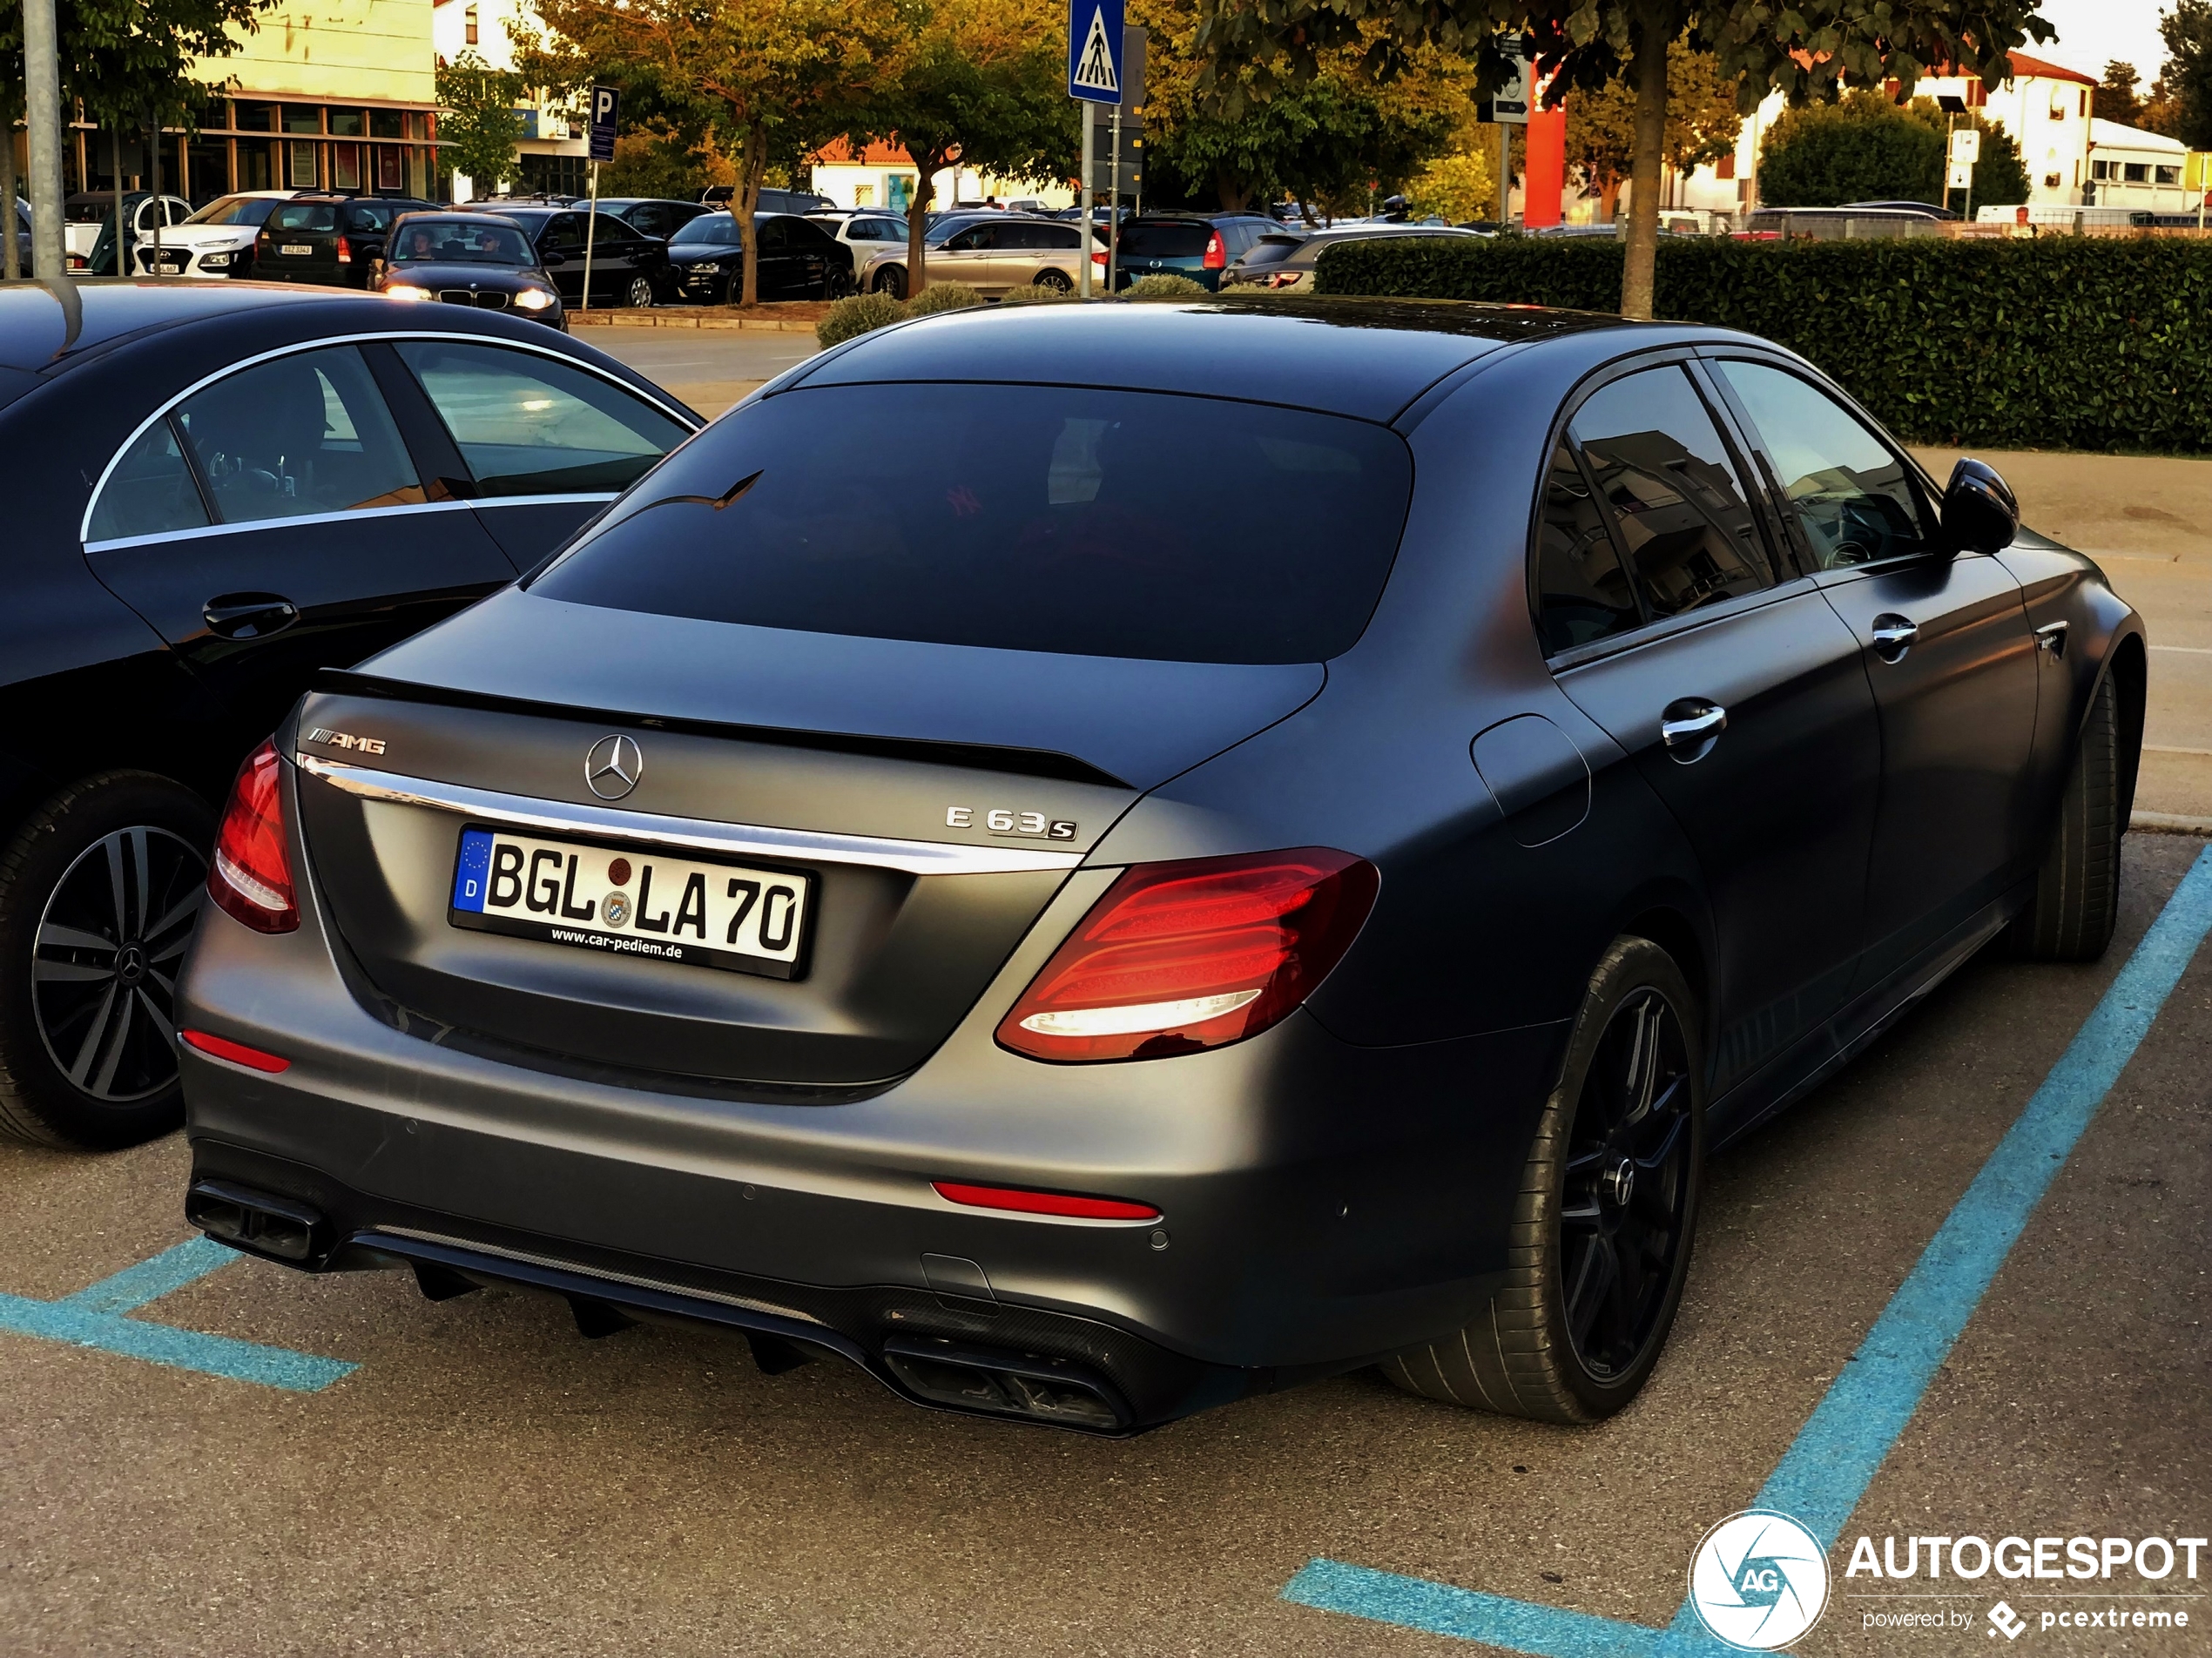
{"x": 1828, "y": 1466}
{"x": 95, "y": 1318}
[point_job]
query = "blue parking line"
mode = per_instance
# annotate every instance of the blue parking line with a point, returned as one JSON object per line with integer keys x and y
{"x": 1842, "y": 1444}
{"x": 93, "y": 1318}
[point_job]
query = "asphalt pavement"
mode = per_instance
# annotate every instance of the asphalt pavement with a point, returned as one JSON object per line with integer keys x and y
{"x": 486, "y": 1482}
{"x": 709, "y": 368}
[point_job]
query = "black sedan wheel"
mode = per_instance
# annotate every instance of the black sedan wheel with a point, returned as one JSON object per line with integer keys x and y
{"x": 2077, "y": 891}
{"x": 1600, "y": 1237}
{"x": 640, "y": 294}
{"x": 100, "y": 892}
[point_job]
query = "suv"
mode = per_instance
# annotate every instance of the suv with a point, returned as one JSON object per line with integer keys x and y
{"x": 334, "y": 241}
{"x": 1198, "y": 246}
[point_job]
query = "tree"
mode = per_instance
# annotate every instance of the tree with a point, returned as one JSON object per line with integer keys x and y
{"x": 1703, "y": 122}
{"x": 1862, "y": 148}
{"x": 656, "y": 158}
{"x": 775, "y": 78}
{"x": 1808, "y": 52}
{"x": 2181, "y": 98}
{"x": 1460, "y": 187}
{"x": 979, "y": 82}
{"x": 2115, "y": 99}
{"x": 481, "y": 130}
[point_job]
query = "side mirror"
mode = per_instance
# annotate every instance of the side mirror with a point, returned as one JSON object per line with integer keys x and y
{"x": 551, "y": 257}
{"x": 1979, "y": 515}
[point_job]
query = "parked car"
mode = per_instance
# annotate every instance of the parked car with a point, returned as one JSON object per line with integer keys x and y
{"x": 872, "y": 238}
{"x": 336, "y": 241}
{"x": 1200, "y": 246}
{"x": 773, "y": 200}
{"x": 999, "y": 251}
{"x": 1257, "y": 261}
{"x": 470, "y": 259}
{"x": 85, "y": 216}
{"x": 973, "y": 908}
{"x": 1291, "y": 272}
{"x": 218, "y": 241}
{"x": 215, "y": 499}
{"x": 653, "y": 215}
{"x": 798, "y": 259}
{"x": 628, "y": 267}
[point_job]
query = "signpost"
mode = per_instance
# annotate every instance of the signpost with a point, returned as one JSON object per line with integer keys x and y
{"x": 1508, "y": 109}
{"x": 1093, "y": 76}
{"x": 1964, "y": 150}
{"x": 606, "y": 106}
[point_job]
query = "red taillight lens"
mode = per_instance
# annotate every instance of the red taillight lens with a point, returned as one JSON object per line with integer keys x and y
{"x": 251, "y": 878}
{"x": 1037, "y": 1202}
{"x": 1180, "y": 957}
{"x": 237, "y": 1053}
{"x": 344, "y": 251}
{"x": 1216, "y": 256}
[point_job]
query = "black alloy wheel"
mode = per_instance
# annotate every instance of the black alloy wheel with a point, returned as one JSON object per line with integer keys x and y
{"x": 1626, "y": 1190}
{"x": 99, "y": 893}
{"x": 891, "y": 281}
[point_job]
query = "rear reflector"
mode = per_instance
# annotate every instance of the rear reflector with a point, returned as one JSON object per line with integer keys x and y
{"x": 1038, "y": 1202}
{"x": 250, "y": 879}
{"x": 1176, "y": 958}
{"x": 237, "y": 1053}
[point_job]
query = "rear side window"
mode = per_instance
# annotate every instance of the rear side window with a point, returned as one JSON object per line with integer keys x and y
{"x": 1675, "y": 501}
{"x": 1141, "y": 240}
{"x": 151, "y": 492}
{"x": 529, "y": 425}
{"x": 1037, "y": 518}
{"x": 1582, "y": 594}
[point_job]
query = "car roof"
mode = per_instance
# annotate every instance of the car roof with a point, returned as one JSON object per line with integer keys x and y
{"x": 34, "y": 327}
{"x": 1366, "y": 358}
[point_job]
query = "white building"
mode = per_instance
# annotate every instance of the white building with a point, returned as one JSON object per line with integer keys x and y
{"x": 554, "y": 150}
{"x": 884, "y": 174}
{"x": 2044, "y": 106}
{"x": 2132, "y": 168}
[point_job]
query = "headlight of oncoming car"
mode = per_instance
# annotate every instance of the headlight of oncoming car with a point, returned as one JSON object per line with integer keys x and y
{"x": 533, "y": 298}
{"x": 402, "y": 292}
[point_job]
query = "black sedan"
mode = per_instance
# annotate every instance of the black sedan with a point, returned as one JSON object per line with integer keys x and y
{"x": 627, "y": 267}
{"x": 473, "y": 260}
{"x": 986, "y": 914}
{"x": 219, "y": 490}
{"x": 798, "y": 259}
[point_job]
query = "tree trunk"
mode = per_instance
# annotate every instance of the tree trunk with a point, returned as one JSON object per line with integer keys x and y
{"x": 1653, "y": 36}
{"x": 744, "y": 203}
{"x": 925, "y": 165}
{"x": 1608, "y": 197}
{"x": 1234, "y": 191}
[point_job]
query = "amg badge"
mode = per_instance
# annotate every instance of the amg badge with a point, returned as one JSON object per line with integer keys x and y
{"x": 1000, "y": 820}
{"x": 346, "y": 739}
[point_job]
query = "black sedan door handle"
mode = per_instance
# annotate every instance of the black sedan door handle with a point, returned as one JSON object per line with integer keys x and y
{"x": 248, "y": 616}
{"x": 1894, "y": 634}
{"x": 1690, "y": 727}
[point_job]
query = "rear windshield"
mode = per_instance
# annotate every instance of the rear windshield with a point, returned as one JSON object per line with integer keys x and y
{"x": 1035, "y": 518}
{"x": 1271, "y": 250}
{"x": 1165, "y": 241}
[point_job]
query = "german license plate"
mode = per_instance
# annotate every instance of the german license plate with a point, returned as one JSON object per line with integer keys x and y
{"x": 626, "y": 902}
{"x": 302, "y": 248}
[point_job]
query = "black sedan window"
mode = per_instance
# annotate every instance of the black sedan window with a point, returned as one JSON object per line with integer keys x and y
{"x": 1582, "y": 594}
{"x": 305, "y": 433}
{"x": 1038, "y": 518}
{"x": 151, "y": 491}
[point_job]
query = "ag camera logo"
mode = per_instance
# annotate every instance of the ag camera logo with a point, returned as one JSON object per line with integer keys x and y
{"x": 1758, "y": 1580}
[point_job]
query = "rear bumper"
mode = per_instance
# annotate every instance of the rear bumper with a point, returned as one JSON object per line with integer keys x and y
{"x": 1321, "y": 1205}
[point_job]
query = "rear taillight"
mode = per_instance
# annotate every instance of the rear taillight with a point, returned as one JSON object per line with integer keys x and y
{"x": 251, "y": 878}
{"x": 237, "y": 1053}
{"x": 1217, "y": 257}
{"x": 344, "y": 251}
{"x": 1176, "y": 958}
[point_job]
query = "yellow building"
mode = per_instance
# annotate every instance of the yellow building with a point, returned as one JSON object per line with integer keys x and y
{"x": 325, "y": 94}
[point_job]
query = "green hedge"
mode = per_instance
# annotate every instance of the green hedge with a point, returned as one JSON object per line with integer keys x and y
{"x": 2056, "y": 342}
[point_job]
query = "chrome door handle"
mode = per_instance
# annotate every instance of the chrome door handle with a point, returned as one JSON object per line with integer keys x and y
{"x": 1894, "y": 634}
{"x": 1688, "y": 727}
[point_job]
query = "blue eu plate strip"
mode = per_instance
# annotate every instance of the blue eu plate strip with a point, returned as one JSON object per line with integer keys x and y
{"x": 472, "y": 871}
{"x": 1827, "y": 1468}
{"x": 93, "y": 1318}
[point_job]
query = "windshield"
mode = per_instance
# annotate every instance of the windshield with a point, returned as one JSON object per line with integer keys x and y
{"x": 235, "y": 210}
{"x": 458, "y": 241}
{"x": 1038, "y": 518}
{"x": 1142, "y": 240}
{"x": 710, "y": 230}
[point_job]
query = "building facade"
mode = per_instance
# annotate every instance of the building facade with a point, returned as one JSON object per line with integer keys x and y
{"x": 553, "y": 157}
{"x": 884, "y": 176}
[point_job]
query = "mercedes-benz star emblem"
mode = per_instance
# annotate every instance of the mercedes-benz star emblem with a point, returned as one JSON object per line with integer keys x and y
{"x": 612, "y": 768}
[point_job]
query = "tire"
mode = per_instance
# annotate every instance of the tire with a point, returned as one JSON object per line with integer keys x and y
{"x": 1553, "y": 1346}
{"x": 1056, "y": 281}
{"x": 2077, "y": 890}
{"x": 639, "y": 295}
{"x": 837, "y": 285}
{"x": 81, "y": 1066}
{"x": 892, "y": 280}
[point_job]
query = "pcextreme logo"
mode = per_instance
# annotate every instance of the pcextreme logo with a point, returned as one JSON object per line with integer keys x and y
{"x": 1758, "y": 1580}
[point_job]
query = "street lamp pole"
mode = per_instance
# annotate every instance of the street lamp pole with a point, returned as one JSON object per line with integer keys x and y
{"x": 43, "y": 113}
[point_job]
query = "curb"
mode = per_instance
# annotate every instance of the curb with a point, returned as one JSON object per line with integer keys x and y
{"x": 2168, "y": 823}
{"x": 653, "y": 320}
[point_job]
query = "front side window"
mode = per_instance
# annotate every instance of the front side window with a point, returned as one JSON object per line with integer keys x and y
{"x": 151, "y": 492}
{"x": 565, "y": 232}
{"x": 529, "y": 425}
{"x": 305, "y": 433}
{"x": 1681, "y": 512}
{"x": 1853, "y": 497}
{"x": 1582, "y": 594}
{"x": 1056, "y": 519}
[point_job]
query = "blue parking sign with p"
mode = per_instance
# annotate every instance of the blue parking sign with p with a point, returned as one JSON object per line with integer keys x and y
{"x": 1095, "y": 50}
{"x": 606, "y": 106}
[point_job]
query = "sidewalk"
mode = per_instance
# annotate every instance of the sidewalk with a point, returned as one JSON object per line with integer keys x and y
{"x": 2148, "y": 520}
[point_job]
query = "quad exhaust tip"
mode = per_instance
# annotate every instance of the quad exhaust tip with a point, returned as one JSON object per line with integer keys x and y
{"x": 255, "y": 1222}
{"x": 1003, "y": 1383}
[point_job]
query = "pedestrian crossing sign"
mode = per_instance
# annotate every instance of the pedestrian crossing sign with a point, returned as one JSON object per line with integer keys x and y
{"x": 1095, "y": 50}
